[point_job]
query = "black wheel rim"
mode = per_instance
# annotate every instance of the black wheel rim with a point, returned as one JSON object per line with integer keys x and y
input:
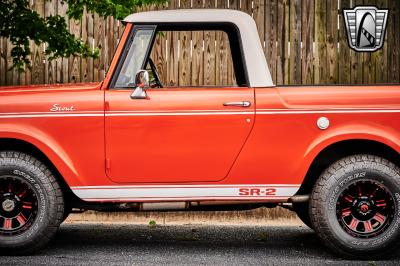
{"x": 18, "y": 205}
{"x": 365, "y": 209}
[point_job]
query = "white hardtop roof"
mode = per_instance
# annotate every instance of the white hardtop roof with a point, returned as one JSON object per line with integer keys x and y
{"x": 257, "y": 68}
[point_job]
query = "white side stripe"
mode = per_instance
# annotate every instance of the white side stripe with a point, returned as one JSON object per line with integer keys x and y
{"x": 51, "y": 115}
{"x": 192, "y": 113}
{"x": 284, "y": 112}
{"x": 183, "y": 186}
{"x": 179, "y": 114}
{"x": 143, "y": 193}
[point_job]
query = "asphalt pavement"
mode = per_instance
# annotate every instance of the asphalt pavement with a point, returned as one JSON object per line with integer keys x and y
{"x": 130, "y": 244}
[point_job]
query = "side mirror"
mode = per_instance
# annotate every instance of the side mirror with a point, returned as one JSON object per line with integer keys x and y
{"x": 142, "y": 82}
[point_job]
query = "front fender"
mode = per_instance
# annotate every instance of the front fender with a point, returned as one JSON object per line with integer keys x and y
{"x": 45, "y": 143}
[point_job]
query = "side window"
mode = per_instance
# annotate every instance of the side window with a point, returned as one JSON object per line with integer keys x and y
{"x": 134, "y": 59}
{"x": 193, "y": 58}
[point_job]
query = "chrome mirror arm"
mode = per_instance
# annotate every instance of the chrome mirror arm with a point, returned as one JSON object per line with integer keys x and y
{"x": 142, "y": 82}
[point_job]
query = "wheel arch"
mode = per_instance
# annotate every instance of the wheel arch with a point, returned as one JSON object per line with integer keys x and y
{"x": 26, "y": 146}
{"x": 337, "y": 150}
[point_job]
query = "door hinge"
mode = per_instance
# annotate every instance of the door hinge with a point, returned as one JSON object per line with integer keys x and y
{"x": 108, "y": 163}
{"x": 106, "y": 106}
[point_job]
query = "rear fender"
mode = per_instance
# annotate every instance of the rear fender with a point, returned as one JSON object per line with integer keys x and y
{"x": 386, "y": 136}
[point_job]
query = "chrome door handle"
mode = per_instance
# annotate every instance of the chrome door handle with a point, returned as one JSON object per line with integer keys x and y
{"x": 240, "y": 104}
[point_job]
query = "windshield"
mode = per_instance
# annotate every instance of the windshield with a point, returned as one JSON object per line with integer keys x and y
{"x": 135, "y": 57}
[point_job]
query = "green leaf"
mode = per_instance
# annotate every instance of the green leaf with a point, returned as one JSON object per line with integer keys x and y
{"x": 21, "y": 25}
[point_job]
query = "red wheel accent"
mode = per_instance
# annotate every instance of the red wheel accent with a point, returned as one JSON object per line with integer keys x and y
{"x": 22, "y": 194}
{"x": 354, "y": 223}
{"x": 27, "y": 205}
{"x": 379, "y": 218}
{"x": 346, "y": 212}
{"x": 365, "y": 209}
{"x": 368, "y": 226}
{"x": 18, "y": 205}
{"x": 10, "y": 187}
{"x": 380, "y": 203}
{"x": 348, "y": 198}
{"x": 7, "y": 224}
{"x": 21, "y": 219}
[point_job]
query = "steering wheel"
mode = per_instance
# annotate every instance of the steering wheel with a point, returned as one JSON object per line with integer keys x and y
{"x": 156, "y": 76}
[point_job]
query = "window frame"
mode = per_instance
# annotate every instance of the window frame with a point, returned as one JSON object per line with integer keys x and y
{"x": 229, "y": 28}
{"x": 125, "y": 52}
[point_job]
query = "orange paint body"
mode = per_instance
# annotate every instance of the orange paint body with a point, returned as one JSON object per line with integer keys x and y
{"x": 185, "y": 136}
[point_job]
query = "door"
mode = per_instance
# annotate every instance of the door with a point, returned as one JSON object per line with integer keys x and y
{"x": 175, "y": 135}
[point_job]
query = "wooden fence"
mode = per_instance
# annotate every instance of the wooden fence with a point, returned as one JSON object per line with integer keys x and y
{"x": 305, "y": 42}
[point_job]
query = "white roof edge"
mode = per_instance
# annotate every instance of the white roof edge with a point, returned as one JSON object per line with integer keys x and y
{"x": 257, "y": 67}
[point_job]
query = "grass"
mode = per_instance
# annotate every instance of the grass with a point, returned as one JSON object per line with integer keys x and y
{"x": 152, "y": 224}
{"x": 262, "y": 237}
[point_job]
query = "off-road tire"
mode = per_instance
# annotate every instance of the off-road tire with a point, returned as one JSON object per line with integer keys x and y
{"x": 50, "y": 203}
{"x": 333, "y": 184}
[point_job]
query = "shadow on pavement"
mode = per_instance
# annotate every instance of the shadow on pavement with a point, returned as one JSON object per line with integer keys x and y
{"x": 186, "y": 244}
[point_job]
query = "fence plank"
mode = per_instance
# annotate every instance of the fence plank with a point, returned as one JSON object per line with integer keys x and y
{"x": 159, "y": 54}
{"x": 259, "y": 18}
{"x": 369, "y": 58}
{"x": 321, "y": 44}
{"x": 84, "y": 36}
{"x": 295, "y": 42}
{"x": 3, "y": 64}
{"x": 37, "y": 52}
{"x": 209, "y": 62}
{"x": 62, "y": 63}
{"x": 105, "y": 49}
{"x": 246, "y": 6}
{"x": 230, "y": 73}
{"x": 332, "y": 41}
{"x": 88, "y": 71}
{"x": 307, "y": 38}
{"x": 74, "y": 62}
{"x": 356, "y": 58}
{"x": 98, "y": 43}
{"x": 110, "y": 42}
{"x": 380, "y": 56}
{"x": 271, "y": 22}
{"x": 221, "y": 58}
{"x": 197, "y": 71}
{"x": 344, "y": 49}
{"x": 184, "y": 52}
{"x": 50, "y": 66}
{"x": 282, "y": 65}
{"x": 28, "y": 70}
{"x": 9, "y": 63}
{"x": 393, "y": 40}
{"x": 172, "y": 53}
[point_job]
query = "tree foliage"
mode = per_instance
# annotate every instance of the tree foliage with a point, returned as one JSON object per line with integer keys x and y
{"x": 21, "y": 24}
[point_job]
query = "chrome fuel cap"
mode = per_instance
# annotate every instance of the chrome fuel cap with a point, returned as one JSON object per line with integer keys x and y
{"x": 323, "y": 123}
